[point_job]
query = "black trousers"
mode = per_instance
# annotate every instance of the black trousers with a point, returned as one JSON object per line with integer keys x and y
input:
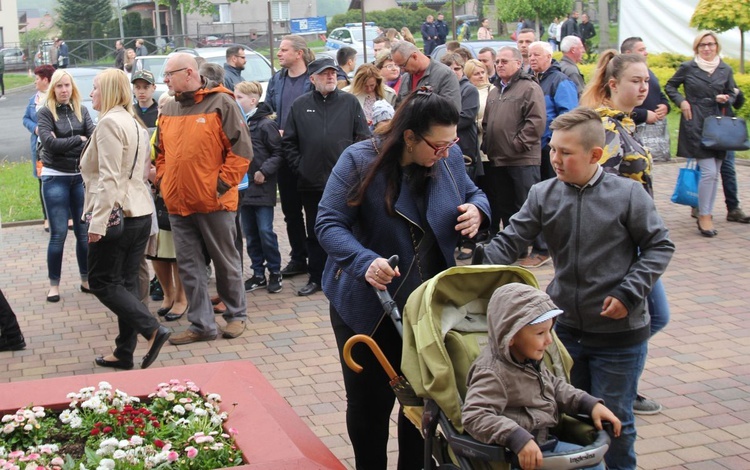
{"x": 8, "y": 323}
{"x": 113, "y": 278}
{"x": 370, "y": 400}
{"x": 291, "y": 206}
{"x": 316, "y": 254}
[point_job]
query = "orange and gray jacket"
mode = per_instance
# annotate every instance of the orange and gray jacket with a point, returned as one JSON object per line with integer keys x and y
{"x": 203, "y": 150}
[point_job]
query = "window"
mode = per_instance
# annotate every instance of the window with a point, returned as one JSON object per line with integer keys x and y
{"x": 222, "y": 14}
{"x": 280, "y": 10}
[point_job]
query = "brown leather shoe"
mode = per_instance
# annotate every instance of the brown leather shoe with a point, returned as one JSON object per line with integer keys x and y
{"x": 188, "y": 336}
{"x": 220, "y": 308}
{"x": 234, "y": 329}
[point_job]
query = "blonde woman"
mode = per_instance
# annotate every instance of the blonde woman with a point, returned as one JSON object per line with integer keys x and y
{"x": 113, "y": 166}
{"x": 368, "y": 87}
{"x": 406, "y": 34}
{"x": 475, "y": 71}
{"x": 64, "y": 126}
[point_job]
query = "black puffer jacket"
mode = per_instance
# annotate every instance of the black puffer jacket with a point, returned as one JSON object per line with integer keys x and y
{"x": 267, "y": 157}
{"x": 61, "y": 138}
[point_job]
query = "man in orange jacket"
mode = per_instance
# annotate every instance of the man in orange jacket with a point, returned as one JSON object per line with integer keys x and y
{"x": 203, "y": 151}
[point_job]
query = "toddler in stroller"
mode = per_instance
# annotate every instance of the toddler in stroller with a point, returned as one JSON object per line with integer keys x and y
{"x": 445, "y": 328}
{"x": 512, "y": 399}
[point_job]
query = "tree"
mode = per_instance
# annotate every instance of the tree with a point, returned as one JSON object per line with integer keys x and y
{"x": 77, "y": 16}
{"x": 723, "y": 15}
{"x": 541, "y": 11}
{"x": 203, "y": 7}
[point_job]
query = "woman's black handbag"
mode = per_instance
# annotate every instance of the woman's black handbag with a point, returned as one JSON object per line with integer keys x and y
{"x": 162, "y": 214}
{"x": 724, "y": 133}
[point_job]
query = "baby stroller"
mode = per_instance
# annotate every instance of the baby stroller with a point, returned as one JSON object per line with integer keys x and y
{"x": 444, "y": 329}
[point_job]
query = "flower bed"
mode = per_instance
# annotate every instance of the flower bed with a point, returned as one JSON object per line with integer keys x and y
{"x": 268, "y": 432}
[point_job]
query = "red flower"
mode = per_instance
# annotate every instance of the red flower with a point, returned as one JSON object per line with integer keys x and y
{"x": 94, "y": 431}
{"x": 130, "y": 431}
{"x": 112, "y": 411}
{"x": 107, "y": 429}
{"x": 158, "y": 443}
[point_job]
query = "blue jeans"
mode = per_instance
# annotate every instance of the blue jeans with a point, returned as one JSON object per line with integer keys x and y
{"x": 262, "y": 243}
{"x": 729, "y": 182}
{"x": 611, "y": 374}
{"x": 63, "y": 198}
{"x": 568, "y": 447}
{"x": 658, "y": 307}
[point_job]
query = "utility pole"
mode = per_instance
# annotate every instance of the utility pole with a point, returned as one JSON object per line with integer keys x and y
{"x": 119, "y": 19}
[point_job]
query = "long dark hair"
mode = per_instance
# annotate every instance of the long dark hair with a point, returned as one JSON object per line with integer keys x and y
{"x": 420, "y": 111}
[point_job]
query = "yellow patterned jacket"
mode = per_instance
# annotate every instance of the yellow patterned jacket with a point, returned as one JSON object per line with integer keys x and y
{"x": 623, "y": 154}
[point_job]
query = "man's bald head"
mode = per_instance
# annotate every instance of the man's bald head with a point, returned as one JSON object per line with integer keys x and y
{"x": 181, "y": 73}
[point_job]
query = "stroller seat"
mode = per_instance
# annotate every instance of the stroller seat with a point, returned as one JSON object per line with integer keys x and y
{"x": 445, "y": 328}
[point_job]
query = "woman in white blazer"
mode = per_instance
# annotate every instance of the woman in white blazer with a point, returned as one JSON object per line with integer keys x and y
{"x": 112, "y": 167}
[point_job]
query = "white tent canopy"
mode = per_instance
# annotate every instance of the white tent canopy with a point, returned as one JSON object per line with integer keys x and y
{"x": 664, "y": 26}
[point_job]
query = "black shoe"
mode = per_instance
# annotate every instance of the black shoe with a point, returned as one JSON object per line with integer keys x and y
{"x": 15, "y": 343}
{"x": 53, "y": 298}
{"x": 86, "y": 290}
{"x": 118, "y": 364}
{"x": 255, "y": 282}
{"x": 163, "y": 311}
{"x": 274, "y": 283}
{"x": 294, "y": 268}
{"x": 309, "y": 289}
{"x": 160, "y": 337}
{"x": 706, "y": 233}
{"x": 171, "y": 316}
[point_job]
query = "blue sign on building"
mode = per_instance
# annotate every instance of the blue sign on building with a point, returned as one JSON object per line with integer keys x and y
{"x": 312, "y": 25}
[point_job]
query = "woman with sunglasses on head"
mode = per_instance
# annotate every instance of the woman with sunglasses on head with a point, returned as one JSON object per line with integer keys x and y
{"x": 404, "y": 192}
{"x": 64, "y": 126}
{"x": 708, "y": 87}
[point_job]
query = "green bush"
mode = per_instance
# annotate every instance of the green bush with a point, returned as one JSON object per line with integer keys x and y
{"x": 391, "y": 18}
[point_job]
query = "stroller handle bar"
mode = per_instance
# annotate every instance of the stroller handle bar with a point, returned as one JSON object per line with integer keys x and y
{"x": 389, "y": 305}
{"x": 347, "y": 353}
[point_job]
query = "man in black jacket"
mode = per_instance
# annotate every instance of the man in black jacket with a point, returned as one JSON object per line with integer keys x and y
{"x": 321, "y": 124}
{"x": 587, "y": 30}
{"x": 570, "y": 26}
{"x": 442, "y": 29}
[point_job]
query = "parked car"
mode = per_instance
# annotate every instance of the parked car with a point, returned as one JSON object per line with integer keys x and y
{"x": 215, "y": 41}
{"x": 84, "y": 78}
{"x": 351, "y": 36}
{"x": 473, "y": 46}
{"x": 257, "y": 67}
{"x": 15, "y": 58}
{"x": 155, "y": 65}
{"x": 332, "y": 55}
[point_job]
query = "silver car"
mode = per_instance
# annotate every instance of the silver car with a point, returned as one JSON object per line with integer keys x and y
{"x": 15, "y": 58}
{"x": 84, "y": 80}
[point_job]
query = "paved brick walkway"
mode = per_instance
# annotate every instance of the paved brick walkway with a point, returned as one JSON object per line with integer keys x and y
{"x": 699, "y": 366}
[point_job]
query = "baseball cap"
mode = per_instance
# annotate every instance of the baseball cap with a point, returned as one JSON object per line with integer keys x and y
{"x": 546, "y": 316}
{"x": 143, "y": 75}
{"x": 320, "y": 64}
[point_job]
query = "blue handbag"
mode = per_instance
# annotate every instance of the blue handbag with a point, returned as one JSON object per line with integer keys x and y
{"x": 686, "y": 189}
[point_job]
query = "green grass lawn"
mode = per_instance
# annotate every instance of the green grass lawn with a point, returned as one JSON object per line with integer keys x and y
{"x": 19, "y": 199}
{"x": 15, "y": 80}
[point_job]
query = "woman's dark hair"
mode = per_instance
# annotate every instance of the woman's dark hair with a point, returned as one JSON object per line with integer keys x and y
{"x": 421, "y": 110}
{"x": 44, "y": 71}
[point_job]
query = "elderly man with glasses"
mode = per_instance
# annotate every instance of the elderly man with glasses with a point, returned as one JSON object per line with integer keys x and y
{"x": 420, "y": 70}
{"x": 203, "y": 150}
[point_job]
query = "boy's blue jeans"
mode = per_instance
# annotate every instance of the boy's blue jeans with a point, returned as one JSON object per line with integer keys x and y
{"x": 658, "y": 307}
{"x": 262, "y": 242}
{"x": 63, "y": 199}
{"x": 611, "y": 374}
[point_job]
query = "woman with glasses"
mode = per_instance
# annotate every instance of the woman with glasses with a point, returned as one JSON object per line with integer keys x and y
{"x": 368, "y": 87}
{"x": 64, "y": 126}
{"x": 390, "y": 72}
{"x": 708, "y": 90}
{"x": 404, "y": 192}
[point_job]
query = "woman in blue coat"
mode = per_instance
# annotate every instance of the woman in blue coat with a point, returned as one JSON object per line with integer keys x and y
{"x": 404, "y": 192}
{"x": 42, "y": 76}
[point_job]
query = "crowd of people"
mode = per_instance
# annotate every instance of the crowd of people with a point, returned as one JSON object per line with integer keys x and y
{"x": 406, "y": 155}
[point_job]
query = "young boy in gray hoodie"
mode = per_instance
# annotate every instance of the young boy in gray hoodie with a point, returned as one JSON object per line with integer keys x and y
{"x": 513, "y": 399}
{"x": 609, "y": 245}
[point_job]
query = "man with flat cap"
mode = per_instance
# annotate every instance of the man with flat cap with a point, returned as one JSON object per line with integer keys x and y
{"x": 321, "y": 124}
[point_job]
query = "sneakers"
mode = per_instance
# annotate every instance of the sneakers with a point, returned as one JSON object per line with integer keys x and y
{"x": 255, "y": 282}
{"x": 188, "y": 336}
{"x": 534, "y": 260}
{"x": 737, "y": 215}
{"x": 294, "y": 268}
{"x": 645, "y": 406}
{"x": 15, "y": 343}
{"x": 234, "y": 329}
{"x": 274, "y": 283}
